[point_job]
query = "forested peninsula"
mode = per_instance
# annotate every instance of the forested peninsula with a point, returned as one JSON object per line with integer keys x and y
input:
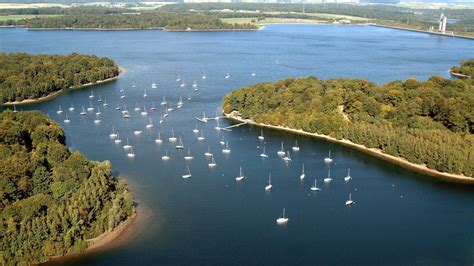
{"x": 26, "y": 77}
{"x": 146, "y": 20}
{"x": 428, "y": 123}
{"x": 53, "y": 202}
{"x": 465, "y": 70}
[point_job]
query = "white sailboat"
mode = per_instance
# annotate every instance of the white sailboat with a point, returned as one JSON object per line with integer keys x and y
{"x": 218, "y": 126}
{"x": 208, "y": 152}
{"x": 137, "y": 108}
{"x": 150, "y": 124}
{"x": 123, "y": 95}
{"x": 98, "y": 111}
{"x": 328, "y": 178}
{"x": 203, "y": 76}
{"x": 222, "y": 141}
{"x": 188, "y": 156}
{"x": 59, "y": 111}
{"x": 83, "y": 112}
{"x": 179, "y": 78}
{"x": 180, "y": 102}
{"x": 213, "y": 162}
{"x": 188, "y": 173}
{"x": 163, "y": 102}
{"x": 183, "y": 84}
{"x": 226, "y": 150}
{"x": 180, "y": 145}
{"x": 189, "y": 97}
{"x": 90, "y": 108}
{"x": 296, "y": 147}
{"x": 348, "y": 176}
{"x": 261, "y": 137}
{"x": 165, "y": 157}
{"x": 153, "y": 85}
{"x": 117, "y": 139}
{"x": 130, "y": 153}
{"x": 172, "y": 138}
{"x": 328, "y": 159}
{"x": 315, "y": 186}
{"x": 105, "y": 104}
{"x": 170, "y": 108}
{"x": 127, "y": 146}
{"x": 287, "y": 158}
{"x": 195, "y": 86}
{"x": 67, "y": 120}
{"x": 161, "y": 119}
{"x": 118, "y": 108}
{"x": 71, "y": 108}
{"x": 133, "y": 85}
{"x": 263, "y": 154}
{"x": 137, "y": 132}
{"x": 282, "y": 219}
{"x": 350, "y": 201}
{"x": 196, "y": 130}
{"x": 158, "y": 139}
{"x": 92, "y": 95}
{"x": 241, "y": 175}
{"x": 144, "y": 112}
{"x": 227, "y": 76}
{"x": 281, "y": 152}
{"x": 145, "y": 94}
{"x": 153, "y": 108}
{"x": 201, "y": 138}
{"x": 97, "y": 119}
{"x": 269, "y": 186}
{"x": 100, "y": 99}
{"x": 166, "y": 113}
{"x": 302, "y": 176}
{"x": 113, "y": 135}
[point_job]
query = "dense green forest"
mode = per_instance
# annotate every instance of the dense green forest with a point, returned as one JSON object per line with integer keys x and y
{"x": 466, "y": 68}
{"x": 134, "y": 20}
{"x": 52, "y": 201}
{"x": 25, "y": 76}
{"x": 430, "y": 122}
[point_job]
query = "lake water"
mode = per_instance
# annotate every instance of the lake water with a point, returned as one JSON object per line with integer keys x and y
{"x": 400, "y": 217}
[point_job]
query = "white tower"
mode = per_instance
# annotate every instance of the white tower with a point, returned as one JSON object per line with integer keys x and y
{"x": 442, "y": 23}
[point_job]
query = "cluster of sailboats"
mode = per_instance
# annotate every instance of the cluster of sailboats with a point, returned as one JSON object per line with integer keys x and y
{"x": 177, "y": 141}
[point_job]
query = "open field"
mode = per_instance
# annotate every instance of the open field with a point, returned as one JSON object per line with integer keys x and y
{"x": 35, "y": 5}
{"x": 18, "y": 17}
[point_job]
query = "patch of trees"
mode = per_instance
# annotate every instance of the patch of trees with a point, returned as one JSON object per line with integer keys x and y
{"x": 430, "y": 122}
{"x": 25, "y": 76}
{"x": 466, "y": 68}
{"x": 52, "y": 201}
{"x": 144, "y": 20}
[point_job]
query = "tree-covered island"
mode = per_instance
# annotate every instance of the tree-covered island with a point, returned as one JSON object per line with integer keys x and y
{"x": 26, "y": 77}
{"x": 428, "y": 123}
{"x": 52, "y": 202}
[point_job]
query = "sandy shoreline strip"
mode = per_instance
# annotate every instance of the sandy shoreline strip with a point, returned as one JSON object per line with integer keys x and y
{"x": 107, "y": 237}
{"x": 57, "y": 93}
{"x": 447, "y": 177}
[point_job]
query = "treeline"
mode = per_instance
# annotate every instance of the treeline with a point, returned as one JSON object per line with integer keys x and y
{"x": 466, "y": 68}
{"x": 145, "y": 20}
{"x": 414, "y": 18}
{"x": 25, "y": 76}
{"x": 53, "y": 202}
{"x": 429, "y": 122}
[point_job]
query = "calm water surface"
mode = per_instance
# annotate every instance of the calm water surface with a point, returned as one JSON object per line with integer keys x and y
{"x": 399, "y": 217}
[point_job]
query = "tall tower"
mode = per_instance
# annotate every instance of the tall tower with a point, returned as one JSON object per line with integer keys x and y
{"x": 442, "y": 23}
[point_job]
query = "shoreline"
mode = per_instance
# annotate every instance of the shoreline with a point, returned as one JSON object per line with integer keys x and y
{"x": 446, "y": 177}
{"x": 458, "y": 75}
{"x": 422, "y": 31}
{"x": 136, "y": 29}
{"x": 57, "y": 93}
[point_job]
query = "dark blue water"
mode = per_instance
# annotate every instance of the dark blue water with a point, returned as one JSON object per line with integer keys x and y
{"x": 399, "y": 217}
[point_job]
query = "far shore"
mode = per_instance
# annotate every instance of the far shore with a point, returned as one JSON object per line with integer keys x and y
{"x": 447, "y": 177}
{"x": 57, "y": 93}
{"x": 133, "y": 29}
